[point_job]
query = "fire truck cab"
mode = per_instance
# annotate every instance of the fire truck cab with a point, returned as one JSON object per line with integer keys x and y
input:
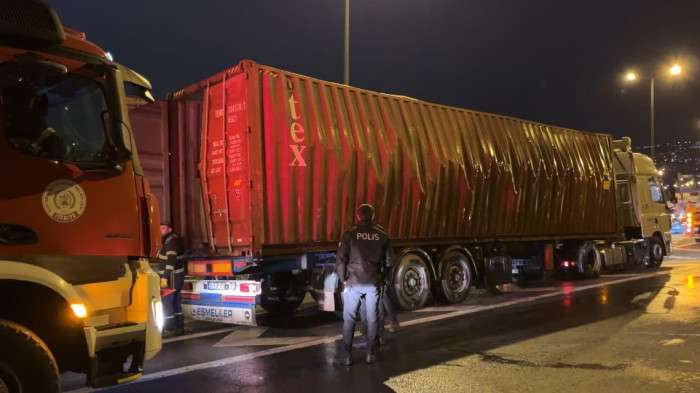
{"x": 77, "y": 219}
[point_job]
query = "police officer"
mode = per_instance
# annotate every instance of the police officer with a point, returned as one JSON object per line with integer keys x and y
{"x": 172, "y": 275}
{"x": 364, "y": 256}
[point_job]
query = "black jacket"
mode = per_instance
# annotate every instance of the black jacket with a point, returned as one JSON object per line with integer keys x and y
{"x": 172, "y": 265}
{"x": 364, "y": 254}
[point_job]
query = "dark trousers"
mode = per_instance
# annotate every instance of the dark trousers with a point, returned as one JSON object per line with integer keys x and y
{"x": 174, "y": 318}
{"x": 389, "y": 313}
{"x": 353, "y": 296}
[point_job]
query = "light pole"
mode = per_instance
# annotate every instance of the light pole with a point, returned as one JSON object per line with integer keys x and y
{"x": 631, "y": 77}
{"x": 346, "y": 68}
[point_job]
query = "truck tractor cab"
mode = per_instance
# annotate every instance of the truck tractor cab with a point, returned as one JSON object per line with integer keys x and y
{"x": 642, "y": 209}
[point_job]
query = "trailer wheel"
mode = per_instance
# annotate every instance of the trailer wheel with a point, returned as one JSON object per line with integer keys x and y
{"x": 656, "y": 253}
{"x": 589, "y": 260}
{"x": 455, "y": 277}
{"x": 281, "y": 294}
{"x": 26, "y": 363}
{"x": 411, "y": 284}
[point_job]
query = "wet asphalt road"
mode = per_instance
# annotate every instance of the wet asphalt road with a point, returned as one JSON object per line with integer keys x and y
{"x": 633, "y": 331}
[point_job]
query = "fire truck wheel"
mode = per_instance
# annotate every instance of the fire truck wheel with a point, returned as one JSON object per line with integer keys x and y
{"x": 26, "y": 363}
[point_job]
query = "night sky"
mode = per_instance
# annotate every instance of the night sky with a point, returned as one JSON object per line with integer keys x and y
{"x": 554, "y": 61}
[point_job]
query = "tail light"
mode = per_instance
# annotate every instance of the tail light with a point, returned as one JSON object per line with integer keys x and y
{"x": 248, "y": 288}
{"x": 567, "y": 264}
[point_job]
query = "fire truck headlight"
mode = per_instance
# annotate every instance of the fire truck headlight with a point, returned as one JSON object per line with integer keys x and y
{"x": 79, "y": 310}
{"x": 158, "y": 315}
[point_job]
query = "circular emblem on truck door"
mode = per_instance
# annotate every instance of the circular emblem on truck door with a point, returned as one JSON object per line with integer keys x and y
{"x": 64, "y": 200}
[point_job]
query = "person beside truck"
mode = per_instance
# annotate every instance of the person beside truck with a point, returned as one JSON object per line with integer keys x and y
{"x": 171, "y": 270}
{"x": 363, "y": 258}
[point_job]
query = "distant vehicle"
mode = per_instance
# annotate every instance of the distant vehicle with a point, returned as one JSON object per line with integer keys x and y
{"x": 77, "y": 220}
{"x": 264, "y": 169}
{"x": 686, "y": 216}
{"x": 677, "y": 227}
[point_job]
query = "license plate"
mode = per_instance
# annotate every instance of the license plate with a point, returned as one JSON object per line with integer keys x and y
{"x": 219, "y": 286}
{"x": 239, "y": 316}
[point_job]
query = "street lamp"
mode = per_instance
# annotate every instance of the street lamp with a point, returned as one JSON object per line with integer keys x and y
{"x": 675, "y": 69}
{"x": 632, "y": 76}
{"x": 346, "y": 68}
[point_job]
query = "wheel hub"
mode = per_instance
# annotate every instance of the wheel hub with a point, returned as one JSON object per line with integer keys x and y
{"x": 412, "y": 282}
{"x": 456, "y": 278}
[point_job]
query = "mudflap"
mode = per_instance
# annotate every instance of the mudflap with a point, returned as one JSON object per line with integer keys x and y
{"x": 325, "y": 288}
{"x": 499, "y": 270}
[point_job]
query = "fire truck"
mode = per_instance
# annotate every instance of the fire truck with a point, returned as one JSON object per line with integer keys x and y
{"x": 77, "y": 219}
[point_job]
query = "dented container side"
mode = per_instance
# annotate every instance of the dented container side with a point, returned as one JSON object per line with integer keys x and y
{"x": 299, "y": 154}
{"x": 433, "y": 172}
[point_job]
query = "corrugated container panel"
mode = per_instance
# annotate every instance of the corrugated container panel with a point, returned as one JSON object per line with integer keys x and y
{"x": 314, "y": 150}
{"x": 150, "y": 129}
{"x": 184, "y": 123}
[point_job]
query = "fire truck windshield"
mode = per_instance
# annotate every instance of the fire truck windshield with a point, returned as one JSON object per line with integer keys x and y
{"x": 59, "y": 117}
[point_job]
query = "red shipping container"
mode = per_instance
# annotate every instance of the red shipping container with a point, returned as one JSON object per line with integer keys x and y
{"x": 283, "y": 160}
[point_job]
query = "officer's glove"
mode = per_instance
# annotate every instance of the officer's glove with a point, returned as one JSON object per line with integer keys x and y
{"x": 163, "y": 283}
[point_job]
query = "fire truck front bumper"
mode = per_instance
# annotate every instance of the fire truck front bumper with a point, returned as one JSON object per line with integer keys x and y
{"x": 116, "y": 353}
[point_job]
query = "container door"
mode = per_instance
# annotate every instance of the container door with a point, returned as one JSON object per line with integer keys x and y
{"x": 226, "y": 183}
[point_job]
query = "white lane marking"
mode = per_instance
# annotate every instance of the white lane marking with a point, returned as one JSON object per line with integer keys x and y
{"x": 665, "y": 334}
{"x": 222, "y": 362}
{"x": 245, "y": 333}
{"x": 443, "y": 308}
{"x": 332, "y": 339}
{"x": 251, "y": 337}
{"x": 641, "y": 297}
{"x": 535, "y": 289}
{"x": 675, "y": 257}
{"x": 197, "y": 335}
{"x": 618, "y": 275}
{"x": 689, "y": 246}
{"x": 672, "y": 342}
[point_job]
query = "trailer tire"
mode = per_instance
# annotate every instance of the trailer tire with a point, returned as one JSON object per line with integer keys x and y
{"x": 411, "y": 282}
{"x": 26, "y": 362}
{"x": 656, "y": 253}
{"x": 281, "y": 294}
{"x": 455, "y": 277}
{"x": 589, "y": 260}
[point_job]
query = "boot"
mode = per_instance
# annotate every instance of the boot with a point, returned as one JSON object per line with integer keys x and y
{"x": 371, "y": 358}
{"x": 344, "y": 358}
{"x": 179, "y": 325}
{"x": 393, "y": 327}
